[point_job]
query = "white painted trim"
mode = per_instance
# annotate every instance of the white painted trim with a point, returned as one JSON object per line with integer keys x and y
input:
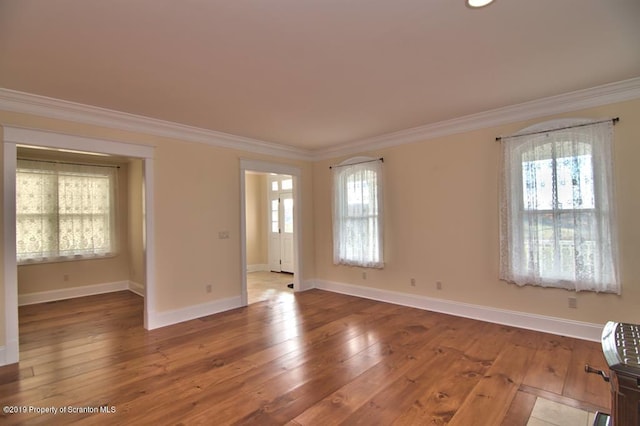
{"x": 307, "y": 285}
{"x": 263, "y": 267}
{"x": 50, "y": 139}
{"x": 15, "y": 101}
{"x": 553, "y": 325}
{"x": 14, "y": 135}
{"x": 6, "y": 357}
{"x": 573, "y": 101}
{"x": 11, "y": 353}
{"x": 244, "y": 294}
{"x": 136, "y": 288}
{"x": 166, "y": 318}
{"x": 71, "y": 292}
{"x": 150, "y": 243}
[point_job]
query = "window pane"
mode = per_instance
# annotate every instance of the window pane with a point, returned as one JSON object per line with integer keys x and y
{"x": 287, "y": 184}
{"x": 275, "y": 212}
{"x": 63, "y": 210}
{"x": 356, "y": 234}
{"x": 575, "y": 182}
{"x": 537, "y": 182}
{"x": 274, "y": 186}
{"x": 288, "y": 215}
{"x": 557, "y": 230}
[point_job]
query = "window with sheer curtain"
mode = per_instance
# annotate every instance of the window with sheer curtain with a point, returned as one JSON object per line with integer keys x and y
{"x": 64, "y": 211}
{"x": 357, "y": 214}
{"x": 558, "y": 208}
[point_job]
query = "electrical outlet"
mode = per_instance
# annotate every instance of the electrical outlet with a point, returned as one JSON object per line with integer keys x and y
{"x": 413, "y": 282}
{"x": 65, "y": 277}
{"x": 438, "y": 285}
{"x": 364, "y": 275}
{"x": 208, "y": 288}
{"x": 223, "y": 235}
{"x": 573, "y": 303}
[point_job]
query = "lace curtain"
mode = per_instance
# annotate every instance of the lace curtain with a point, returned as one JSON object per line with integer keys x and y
{"x": 64, "y": 210}
{"x": 557, "y": 211}
{"x": 357, "y": 214}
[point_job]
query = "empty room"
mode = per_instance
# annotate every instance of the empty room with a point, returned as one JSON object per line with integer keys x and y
{"x": 409, "y": 212}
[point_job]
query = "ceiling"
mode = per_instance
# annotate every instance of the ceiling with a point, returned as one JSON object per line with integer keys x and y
{"x": 313, "y": 74}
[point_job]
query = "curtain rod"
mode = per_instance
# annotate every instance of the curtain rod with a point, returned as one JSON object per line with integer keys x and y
{"x": 70, "y": 163}
{"x": 359, "y": 162}
{"x": 613, "y": 120}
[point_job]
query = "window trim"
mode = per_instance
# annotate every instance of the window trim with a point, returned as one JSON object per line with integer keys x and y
{"x": 511, "y": 273}
{"x": 342, "y": 168}
{"x": 113, "y": 215}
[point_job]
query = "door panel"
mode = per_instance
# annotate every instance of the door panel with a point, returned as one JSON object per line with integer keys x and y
{"x": 274, "y": 232}
{"x": 281, "y": 229}
{"x": 286, "y": 236}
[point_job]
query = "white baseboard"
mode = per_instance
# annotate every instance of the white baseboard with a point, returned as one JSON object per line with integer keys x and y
{"x": 258, "y": 268}
{"x": 136, "y": 288}
{"x": 9, "y": 353}
{"x": 71, "y": 292}
{"x": 165, "y": 318}
{"x": 553, "y": 325}
{"x": 307, "y": 285}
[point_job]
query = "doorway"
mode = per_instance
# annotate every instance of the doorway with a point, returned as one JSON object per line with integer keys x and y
{"x": 13, "y": 136}
{"x": 281, "y": 220}
{"x": 281, "y": 229}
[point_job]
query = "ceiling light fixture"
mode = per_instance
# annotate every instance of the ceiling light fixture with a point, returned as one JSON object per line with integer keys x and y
{"x": 475, "y": 4}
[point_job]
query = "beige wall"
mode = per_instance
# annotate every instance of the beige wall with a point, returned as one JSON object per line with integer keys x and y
{"x": 441, "y": 220}
{"x": 43, "y": 277}
{"x": 256, "y": 214}
{"x": 441, "y": 205}
{"x": 3, "y": 336}
{"x": 197, "y": 194}
{"x": 135, "y": 222}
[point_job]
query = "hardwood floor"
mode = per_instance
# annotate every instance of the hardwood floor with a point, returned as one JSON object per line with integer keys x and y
{"x": 264, "y": 285}
{"x": 314, "y": 358}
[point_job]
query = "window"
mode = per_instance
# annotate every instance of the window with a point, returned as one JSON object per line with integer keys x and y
{"x": 557, "y": 208}
{"x": 64, "y": 211}
{"x": 357, "y": 214}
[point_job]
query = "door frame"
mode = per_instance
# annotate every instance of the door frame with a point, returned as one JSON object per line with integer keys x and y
{"x": 271, "y": 196}
{"x": 14, "y": 136}
{"x": 247, "y": 165}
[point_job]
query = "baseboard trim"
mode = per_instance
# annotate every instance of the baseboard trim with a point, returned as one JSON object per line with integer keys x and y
{"x": 258, "y": 268}
{"x": 307, "y": 285}
{"x": 553, "y": 325}
{"x": 166, "y": 318}
{"x": 136, "y": 288}
{"x": 9, "y": 353}
{"x": 71, "y": 292}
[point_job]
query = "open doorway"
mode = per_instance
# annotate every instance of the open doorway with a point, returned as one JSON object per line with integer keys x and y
{"x": 270, "y": 233}
{"x": 37, "y": 138}
{"x": 270, "y": 230}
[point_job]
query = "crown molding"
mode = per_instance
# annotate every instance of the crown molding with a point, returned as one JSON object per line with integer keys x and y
{"x": 573, "y": 101}
{"x": 14, "y": 101}
{"x": 21, "y": 102}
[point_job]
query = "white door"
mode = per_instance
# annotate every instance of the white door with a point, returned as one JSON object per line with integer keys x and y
{"x": 286, "y": 236}
{"x": 274, "y": 232}
{"x": 281, "y": 254}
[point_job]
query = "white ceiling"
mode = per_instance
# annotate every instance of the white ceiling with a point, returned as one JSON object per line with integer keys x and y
{"x": 313, "y": 73}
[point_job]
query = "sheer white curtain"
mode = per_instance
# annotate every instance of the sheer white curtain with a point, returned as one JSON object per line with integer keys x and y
{"x": 357, "y": 214}
{"x": 64, "y": 210}
{"x": 557, "y": 212}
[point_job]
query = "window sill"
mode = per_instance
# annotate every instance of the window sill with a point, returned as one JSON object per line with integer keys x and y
{"x": 63, "y": 259}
